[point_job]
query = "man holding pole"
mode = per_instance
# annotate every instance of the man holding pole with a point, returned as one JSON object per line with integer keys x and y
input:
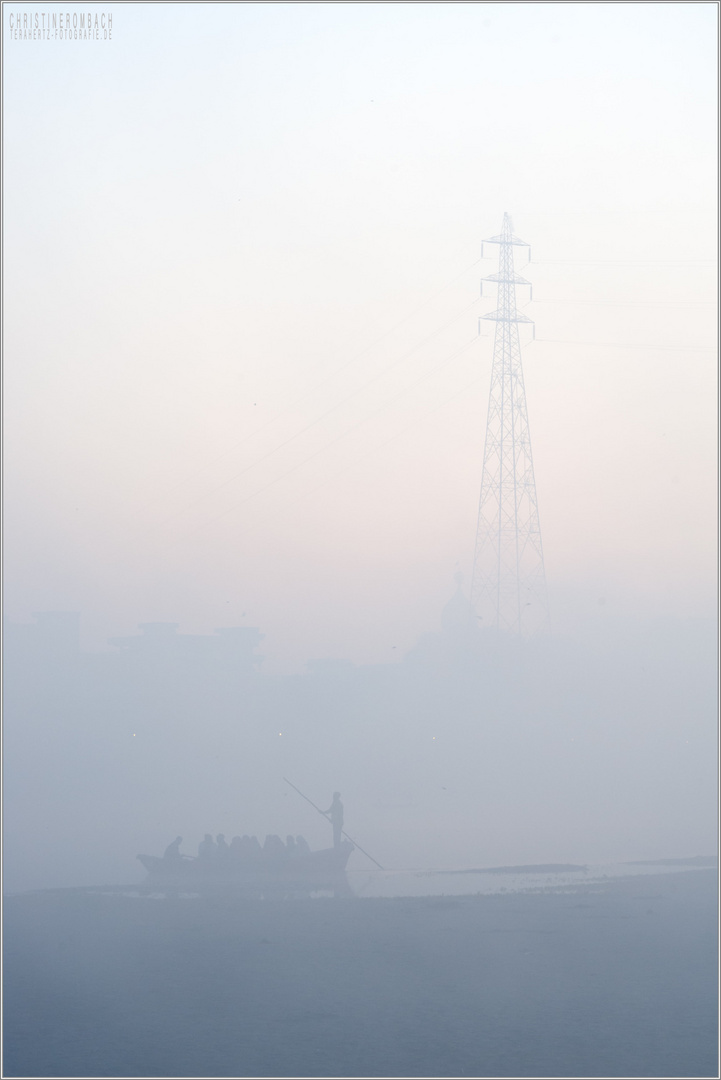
{"x": 335, "y": 814}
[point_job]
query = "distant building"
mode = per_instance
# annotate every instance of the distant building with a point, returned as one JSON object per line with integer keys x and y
{"x": 457, "y": 643}
{"x": 44, "y": 666}
{"x": 230, "y": 649}
{"x": 41, "y": 657}
{"x": 457, "y": 618}
{"x": 330, "y": 668}
{"x": 54, "y": 636}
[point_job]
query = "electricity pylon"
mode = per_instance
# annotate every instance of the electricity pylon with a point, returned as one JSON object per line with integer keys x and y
{"x": 508, "y": 591}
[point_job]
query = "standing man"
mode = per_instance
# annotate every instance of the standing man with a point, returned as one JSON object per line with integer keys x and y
{"x": 335, "y": 814}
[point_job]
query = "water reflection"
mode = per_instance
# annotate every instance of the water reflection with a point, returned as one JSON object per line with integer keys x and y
{"x": 494, "y": 880}
{"x": 395, "y": 884}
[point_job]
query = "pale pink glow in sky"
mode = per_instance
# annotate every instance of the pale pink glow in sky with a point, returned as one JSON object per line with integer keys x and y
{"x": 241, "y": 269}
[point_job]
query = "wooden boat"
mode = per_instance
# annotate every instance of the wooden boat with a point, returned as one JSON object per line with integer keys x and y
{"x": 311, "y": 868}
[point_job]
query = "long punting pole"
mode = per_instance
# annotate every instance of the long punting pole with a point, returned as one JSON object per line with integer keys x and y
{"x": 353, "y": 842}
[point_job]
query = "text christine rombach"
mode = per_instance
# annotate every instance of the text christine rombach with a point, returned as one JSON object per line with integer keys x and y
{"x": 60, "y": 26}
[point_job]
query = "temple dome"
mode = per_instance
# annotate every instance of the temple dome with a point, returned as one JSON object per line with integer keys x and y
{"x": 457, "y": 614}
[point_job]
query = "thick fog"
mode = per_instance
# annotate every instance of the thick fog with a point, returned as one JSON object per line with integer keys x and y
{"x": 463, "y": 753}
{"x": 245, "y": 406}
{"x": 246, "y": 389}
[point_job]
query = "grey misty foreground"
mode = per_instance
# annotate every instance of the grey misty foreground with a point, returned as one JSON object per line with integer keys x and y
{"x": 617, "y": 980}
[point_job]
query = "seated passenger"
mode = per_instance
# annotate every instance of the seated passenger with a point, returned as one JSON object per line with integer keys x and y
{"x": 291, "y": 848}
{"x": 274, "y": 850}
{"x": 222, "y": 848}
{"x": 246, "y": 848}
{"x": 206, "y": 847}
{"x": 172, "y": 851}
{"x": 302, "y": 845}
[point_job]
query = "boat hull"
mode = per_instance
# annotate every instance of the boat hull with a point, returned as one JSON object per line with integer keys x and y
{"x": 314, "y": 869}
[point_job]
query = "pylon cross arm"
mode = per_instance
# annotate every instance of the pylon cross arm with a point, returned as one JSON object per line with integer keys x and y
{"x": 515, "y": 240}
{"x": 513, "y": 279}
{"x": 514, "y": 317}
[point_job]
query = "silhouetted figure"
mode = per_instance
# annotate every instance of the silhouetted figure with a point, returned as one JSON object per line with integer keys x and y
{"x": 302, "y": 846}
{"x": 290, "y": 846}
{"x": 221, "y": 848}
{"x": 206, "y": 847}
{"x": 274, "y": 850}
{"x": 335, "y": 813}
{"x": 244, "y": 846}
{"x": 172, "y": 851}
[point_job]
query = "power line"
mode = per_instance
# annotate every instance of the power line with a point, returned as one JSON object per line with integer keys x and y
{"x": 323, "y": 382}
{"x": 345, "y": 433}
{"x": 333, "y": 408}
{"x": 624, "y": 262}
{"x": 628, "y": 345}
{"x": 628, "y": 303}
{"x": 382, "y": 446}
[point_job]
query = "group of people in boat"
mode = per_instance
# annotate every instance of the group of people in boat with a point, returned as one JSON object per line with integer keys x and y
{"x": 241, "y": 849}
{"x": 246, "y": 850}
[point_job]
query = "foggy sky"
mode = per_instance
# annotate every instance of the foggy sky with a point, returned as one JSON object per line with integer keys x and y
{"x": 234, "y": 240}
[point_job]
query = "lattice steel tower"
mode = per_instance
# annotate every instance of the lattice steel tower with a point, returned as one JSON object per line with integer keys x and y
{"x": 509, "y": 580}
